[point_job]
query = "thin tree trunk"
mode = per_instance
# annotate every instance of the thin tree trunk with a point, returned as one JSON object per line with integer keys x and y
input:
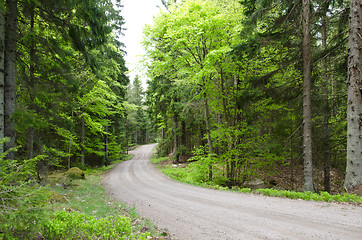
{"x": 327, "y": 159}
{"x": 106, "y": 145}
{"x": 207, "y": 121}
{"x": 183, "y": 140}
{"x": 162, "y": 135}
{"x": 175, "y": 138}
{"x": 70, "y": 142}
{"x": 354, "y": 103}
{"x": 307, "y": 105}
{"x": 82, "y": 139}
{"x": 2, "y": 55}
{"x": 30, "y": 142}
{"x": 69, "y": 151}
{"x": 11, "y": 19}
{"x": 126, "y": 120}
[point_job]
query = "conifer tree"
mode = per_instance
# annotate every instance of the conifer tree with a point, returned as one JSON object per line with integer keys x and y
{"x": 354, "y": 111}
{"x": 11, "y": 37}
{"x": 2, "y": 55}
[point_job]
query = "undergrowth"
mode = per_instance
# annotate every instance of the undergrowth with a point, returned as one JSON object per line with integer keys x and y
{"x": 79, "y": 210}
{"x": 191, "y": 175}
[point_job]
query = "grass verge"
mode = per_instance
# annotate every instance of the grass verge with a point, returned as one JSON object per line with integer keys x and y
{"x": 85, "y": 211}
{"x": 186, "y": 175}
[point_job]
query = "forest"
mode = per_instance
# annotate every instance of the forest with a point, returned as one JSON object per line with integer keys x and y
{"x": 65, "y": 99}
{"x": 237, "y": 89}
{"x": 244, "y": 89}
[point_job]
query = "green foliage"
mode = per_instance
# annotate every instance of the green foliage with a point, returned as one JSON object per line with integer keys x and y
{"x": 71, "y": 82}
{"x": 192, "y": 174}
{"x": 94, "y": 212}
{"x": 321, "y": 197}
{"x": 159, "y": 160}
{"x": 240, "y": 62}
{"x": 23, "y": 203}
{"x": 75, "y": 225}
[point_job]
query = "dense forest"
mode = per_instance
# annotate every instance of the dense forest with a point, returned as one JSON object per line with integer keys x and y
{"x": 63, "y": 98}
{"x": 237, "y": 88}
{"x": 246, "y": 88}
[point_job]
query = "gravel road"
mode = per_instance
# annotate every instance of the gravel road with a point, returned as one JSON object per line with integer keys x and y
{"x": 190, "y": 212}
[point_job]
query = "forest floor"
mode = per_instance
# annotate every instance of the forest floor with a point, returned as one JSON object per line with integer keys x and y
{"x": 190, "y": 212}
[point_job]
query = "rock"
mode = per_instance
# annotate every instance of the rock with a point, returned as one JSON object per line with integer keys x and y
{"x": 60, "y": 185}
{"x": 75, "y": 173}
{"x": 56, "y": 197}
{"x": 255, "y": 183}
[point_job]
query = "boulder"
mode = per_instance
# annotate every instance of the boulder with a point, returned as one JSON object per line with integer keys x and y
{"x": 75, "y": 173}
{"x": 255, "y": 183}
{"x": 56, "y": 197}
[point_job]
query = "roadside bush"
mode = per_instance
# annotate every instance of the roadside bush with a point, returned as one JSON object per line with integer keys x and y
{"x": 176, "y": 173}
{"x": 75, "y": 225}
{"x": 22, "y": 202}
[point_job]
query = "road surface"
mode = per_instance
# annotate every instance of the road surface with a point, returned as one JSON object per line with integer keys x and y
{"x": 190, "y": 212}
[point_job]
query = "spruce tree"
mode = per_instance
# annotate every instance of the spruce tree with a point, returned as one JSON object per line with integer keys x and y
{"x": 2, "y": 55}
{"x": 354, "y": 111}
{"x": 11, "y": 39}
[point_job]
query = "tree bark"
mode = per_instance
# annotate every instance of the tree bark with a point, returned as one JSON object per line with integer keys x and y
{"x": 11, "y": 19}
{"x": 354, "y": 103}
{"x": 175, "y": 138}
{"x": 82, "y": 139}
{"x": 2, "y": 55}
{"x": 326, "y": 110}
{"x": 32, "y": 53}
{"x": 106, "y": 146}
{"x": 307, "y": 105}
{"x": 207, "y": 122}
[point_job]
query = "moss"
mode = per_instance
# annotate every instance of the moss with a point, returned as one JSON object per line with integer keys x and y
{"x": 75, "y": 173}
{"x": 56, "y": 197}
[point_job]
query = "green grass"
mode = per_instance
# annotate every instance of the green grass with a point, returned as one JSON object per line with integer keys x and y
{"x": 187, "y": 175}
{"x": 159, "y": 160}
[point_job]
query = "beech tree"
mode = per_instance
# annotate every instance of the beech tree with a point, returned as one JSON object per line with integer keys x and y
{"x": 259, "y": 88}
{"x": 191, "y": 49}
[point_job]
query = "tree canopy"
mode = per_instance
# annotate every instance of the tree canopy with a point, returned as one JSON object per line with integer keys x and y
{"x": 226, "y": 86}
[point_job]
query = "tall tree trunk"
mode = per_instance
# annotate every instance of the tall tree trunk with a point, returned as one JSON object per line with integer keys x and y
{"x": 2, "y": 55}
{"x": 11, "y": 19}
{"x": 175, "y": 138}
{"x": 307, "y": 105}
{"x": 207, "y": 122}
{"x": 354, "y": 103}
{"x": 327, "y": 158}
{"x": 30, "y": 142}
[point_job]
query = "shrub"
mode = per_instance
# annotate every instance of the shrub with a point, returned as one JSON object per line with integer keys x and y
{"x": 22, "y": 201}
{"x": 75, "y": 225}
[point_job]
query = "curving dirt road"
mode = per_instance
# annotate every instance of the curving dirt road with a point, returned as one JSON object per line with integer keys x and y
{"x": 190, "y": 212}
